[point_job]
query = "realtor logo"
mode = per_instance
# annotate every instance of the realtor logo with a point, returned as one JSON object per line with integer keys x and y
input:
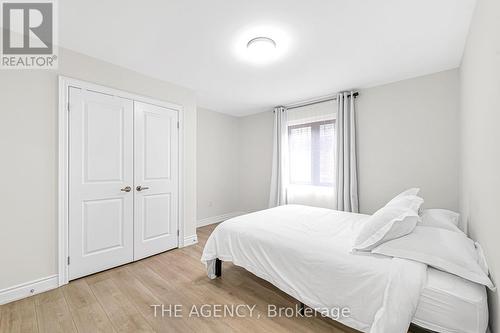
{"x": 28, "y": 35}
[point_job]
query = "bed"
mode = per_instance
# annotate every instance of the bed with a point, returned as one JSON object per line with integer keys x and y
{"x": 306, "y": 252}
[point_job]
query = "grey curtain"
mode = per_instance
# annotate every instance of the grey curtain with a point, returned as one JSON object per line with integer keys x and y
{"x": 279, "y": 176}
{"x": 346, "y": 179}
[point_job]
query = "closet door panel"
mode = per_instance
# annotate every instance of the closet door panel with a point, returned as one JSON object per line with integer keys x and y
{"x": 100, "y": 169}
{"x": 156, "y": 179}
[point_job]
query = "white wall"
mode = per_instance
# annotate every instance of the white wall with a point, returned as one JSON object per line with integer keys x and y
{"x": 407, "y": 136}
{"x": 218, "y": 164}
{"x": 28, "y": 146}
{"x": 234, "y": 163}
{"x": 256, "y": 136}
{"x": 480, "y": 139}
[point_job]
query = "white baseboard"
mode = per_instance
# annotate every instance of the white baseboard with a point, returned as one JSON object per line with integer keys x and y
{"x": 217, "y": 219}
{"x": 190, "y": 240}
{"x": 28, "y": 289}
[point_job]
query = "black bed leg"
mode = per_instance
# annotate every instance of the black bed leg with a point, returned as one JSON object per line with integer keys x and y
{"x": 218, "y": 267}
{"x": 301, "y": 308}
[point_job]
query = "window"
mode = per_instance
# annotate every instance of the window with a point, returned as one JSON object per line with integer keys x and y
{"x": 312, "y": 151}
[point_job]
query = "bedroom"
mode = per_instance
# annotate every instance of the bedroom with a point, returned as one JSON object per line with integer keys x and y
{"x": 152, "y": 137}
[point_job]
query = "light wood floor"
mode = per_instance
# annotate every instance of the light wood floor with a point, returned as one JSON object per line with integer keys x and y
{"x": 120, "y": 299}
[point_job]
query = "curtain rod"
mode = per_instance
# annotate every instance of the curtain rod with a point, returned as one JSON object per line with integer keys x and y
{"x": 316, "y": 101}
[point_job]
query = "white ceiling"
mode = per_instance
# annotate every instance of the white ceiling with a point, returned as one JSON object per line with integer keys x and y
{"x": 332, "y": 45}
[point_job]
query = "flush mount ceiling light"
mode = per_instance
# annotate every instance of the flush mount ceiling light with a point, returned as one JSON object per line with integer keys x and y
{"x": 261, "y": 49}
{"x": 261, "y": 45}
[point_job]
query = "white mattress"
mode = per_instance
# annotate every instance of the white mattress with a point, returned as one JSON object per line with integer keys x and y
{"x": 450, "y": 304}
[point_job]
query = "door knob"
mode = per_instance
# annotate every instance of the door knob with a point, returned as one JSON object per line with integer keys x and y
{"x": 141, "y": 188}
{"x": 126, "y": 189}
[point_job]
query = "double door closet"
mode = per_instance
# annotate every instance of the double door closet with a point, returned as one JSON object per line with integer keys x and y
{"x": 123, "y": 180}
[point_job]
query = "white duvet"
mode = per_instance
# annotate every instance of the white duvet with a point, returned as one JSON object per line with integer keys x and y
{"x": 306, "y": 252}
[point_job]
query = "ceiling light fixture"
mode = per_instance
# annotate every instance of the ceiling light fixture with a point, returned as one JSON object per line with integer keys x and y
{"x": 262, "y": 44}
{"x": 261, "y": 49}
{"x": 262, "y": 41}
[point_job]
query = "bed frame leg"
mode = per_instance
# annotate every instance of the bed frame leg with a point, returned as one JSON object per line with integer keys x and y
{"x": 218, "y": 267}
{"x": 301, "y": 308}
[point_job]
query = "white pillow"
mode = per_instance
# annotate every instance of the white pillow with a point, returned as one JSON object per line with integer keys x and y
{"x": 440, "y": 218}
{"x": 409, "y": 201}
{"x": 481, "y": 258}
{"x": 446, "y": 250}
{"x": 387, "y": 223}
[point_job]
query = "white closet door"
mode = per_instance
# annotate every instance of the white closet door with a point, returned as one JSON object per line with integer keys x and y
{"x": 156, "y": 177}
{"x": 101, "y": 162}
